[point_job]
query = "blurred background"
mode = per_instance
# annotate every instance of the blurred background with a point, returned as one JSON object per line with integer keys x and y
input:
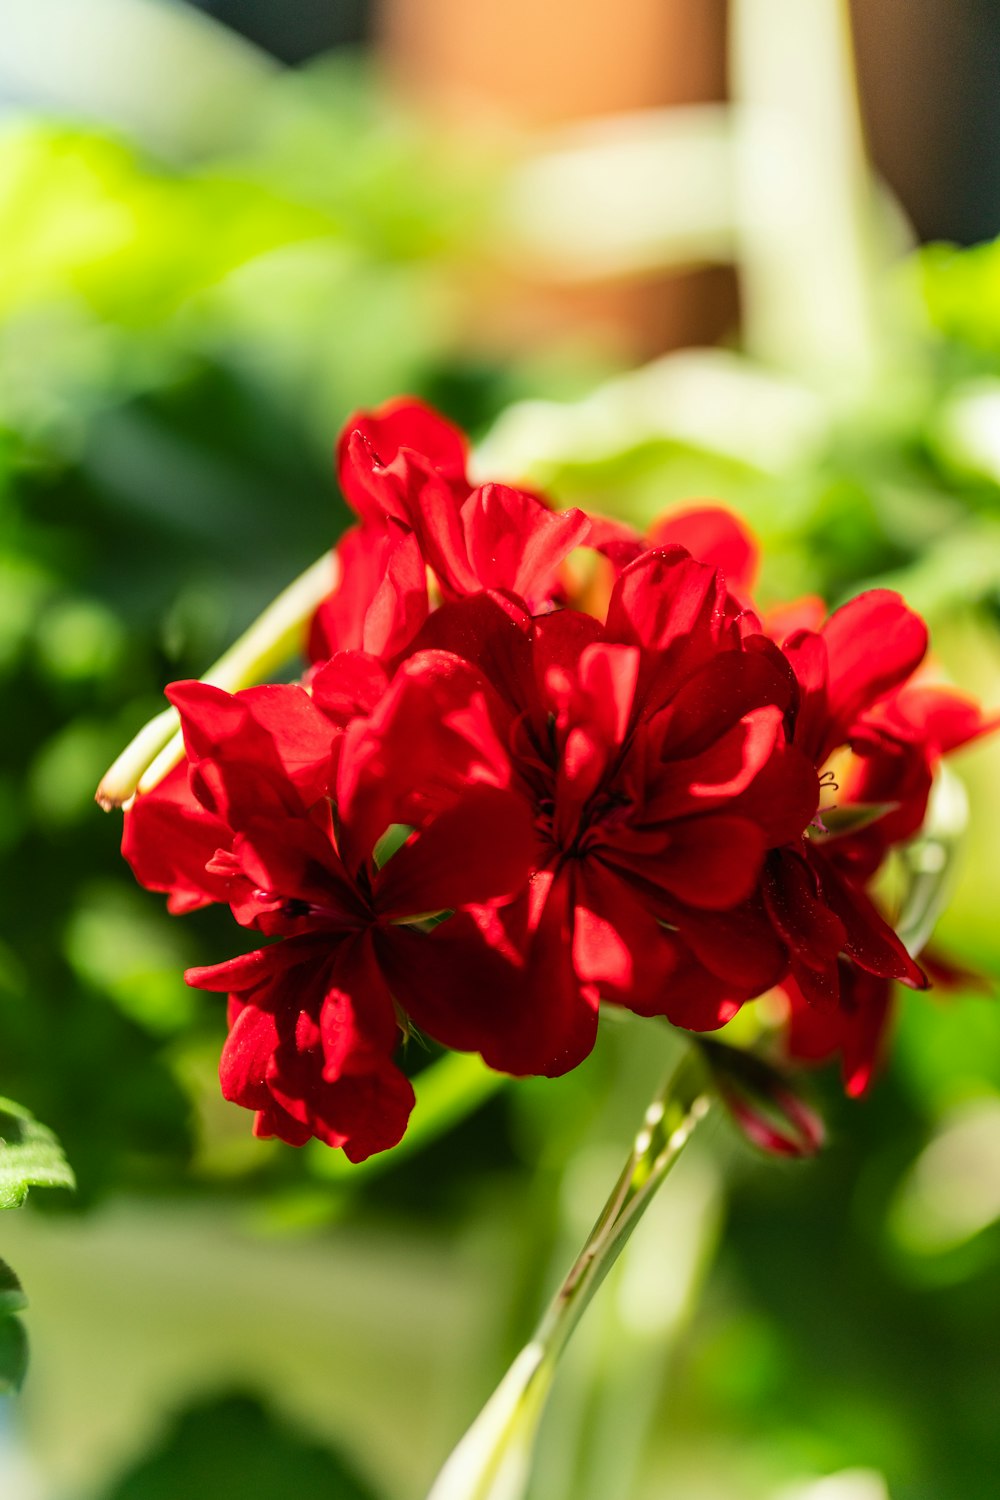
{"x": 660, "y": 250}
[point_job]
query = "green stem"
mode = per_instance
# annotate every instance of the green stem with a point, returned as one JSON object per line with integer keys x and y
{"x": 929, "y": 861}
{"x": 492, "y": 1462}
{"x": 273, "y": 640}
{"x": 668, "y": 1125}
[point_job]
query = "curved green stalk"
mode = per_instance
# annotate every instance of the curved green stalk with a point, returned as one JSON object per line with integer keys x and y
{"x": 273, "y": 640}
{"x": 493, "y": 1460}
{"x": 928, "y": 861}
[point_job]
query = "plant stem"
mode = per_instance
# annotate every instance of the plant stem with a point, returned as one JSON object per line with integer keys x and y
{"x": 273, "y": 639}
{"x": 668, "y": 1125}
{"x": 492, "y": 1461}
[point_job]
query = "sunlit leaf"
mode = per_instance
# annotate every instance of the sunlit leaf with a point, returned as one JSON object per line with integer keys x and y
{"x": 30, "y": 1156}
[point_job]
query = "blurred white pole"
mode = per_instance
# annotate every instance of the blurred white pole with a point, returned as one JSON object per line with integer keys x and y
{"x": 805, "y": 192}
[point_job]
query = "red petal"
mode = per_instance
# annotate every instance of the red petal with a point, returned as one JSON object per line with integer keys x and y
{"x": 402, "y": 424}
{"x": 818, "y": 982}
{"x": 380, "y": 600}
{"x": 435, "y": 732}
{"x": 437, "y": 520}
{"x": 719, "y": 773}
{"x": 294, "y": 861}
{"x": 348, "y": 686}
{"x": 723, "y": 691}
{"x": 250, "y": 973}
{"x": 871, "y": 942}
{"x": 479, "y": 850}
{"x": 560, "y": 640}
{"x": 783, "y": 797}
{"x": 807, "y": 656}
{"x": 302, "y": 735}
{"x": 938, "y": 719}
{"x": 592, "y": 706}
{"x": 491, "y": 632}
{"x": 874, "y": 644}
{"x": 617, "y": 945}
{"x": 399, "y": 605}
{"x": 381, "y": 488}
{"x": 856, "y": 1029}
{"x": 714, "y": 536}
{"x": 615, "y": 540}
{"x": 807, "y": 613}
{"x": 792, "y": 898}
{"x": 663, "y": 598}
{"x": 738, "y": 946}
{"x": 674, "y": 609}
{"x": 168, "y": 838}
{"x": 500, "y": 982}
{"x": 310, "y": 1047}
{"x": 697, "y": 999}
{"x": 515, "y": 542}
{"x": 711, "y": 862}
{"x": 266, "y": 747}
{"x": 357, "y": 1017}
{"x": 565, "y": 1001}
{"x": 246, "y": 1058}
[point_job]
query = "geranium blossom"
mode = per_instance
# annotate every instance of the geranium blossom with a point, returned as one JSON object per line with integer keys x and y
{"x": 510, "y": 788}
{"x": 313, "y": 1022}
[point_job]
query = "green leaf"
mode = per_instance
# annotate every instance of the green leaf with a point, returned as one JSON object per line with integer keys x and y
{"x": 30, "y": 1156}
{"x": 12, "y": 1298}
{"x": 390, "y": 843}
{"x": 13, "y": 1355}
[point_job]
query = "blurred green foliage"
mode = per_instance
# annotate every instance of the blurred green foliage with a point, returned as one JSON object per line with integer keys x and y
{"x": 231, "y": 1445}
{"x": 178, "y": 346}
{"x": 30, "y": 1156}
{"x": 962, "y": 292}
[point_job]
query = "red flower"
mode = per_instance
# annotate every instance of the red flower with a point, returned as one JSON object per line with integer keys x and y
{"x": 811, "y": 917}
{"x": 267, "y": 747}
{"x": 810, "y": 893}
{"x": 487, "y": 812}
{"x": 652, "y": 756}
{"x": 314, "y": 1023}
{"x": 402, "y": 469}
{"x": 896, "y": 746}
{"x": 888, "y": 732}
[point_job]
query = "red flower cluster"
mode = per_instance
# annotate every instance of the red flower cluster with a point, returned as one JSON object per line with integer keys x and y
{"x": 487, "y": 808}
